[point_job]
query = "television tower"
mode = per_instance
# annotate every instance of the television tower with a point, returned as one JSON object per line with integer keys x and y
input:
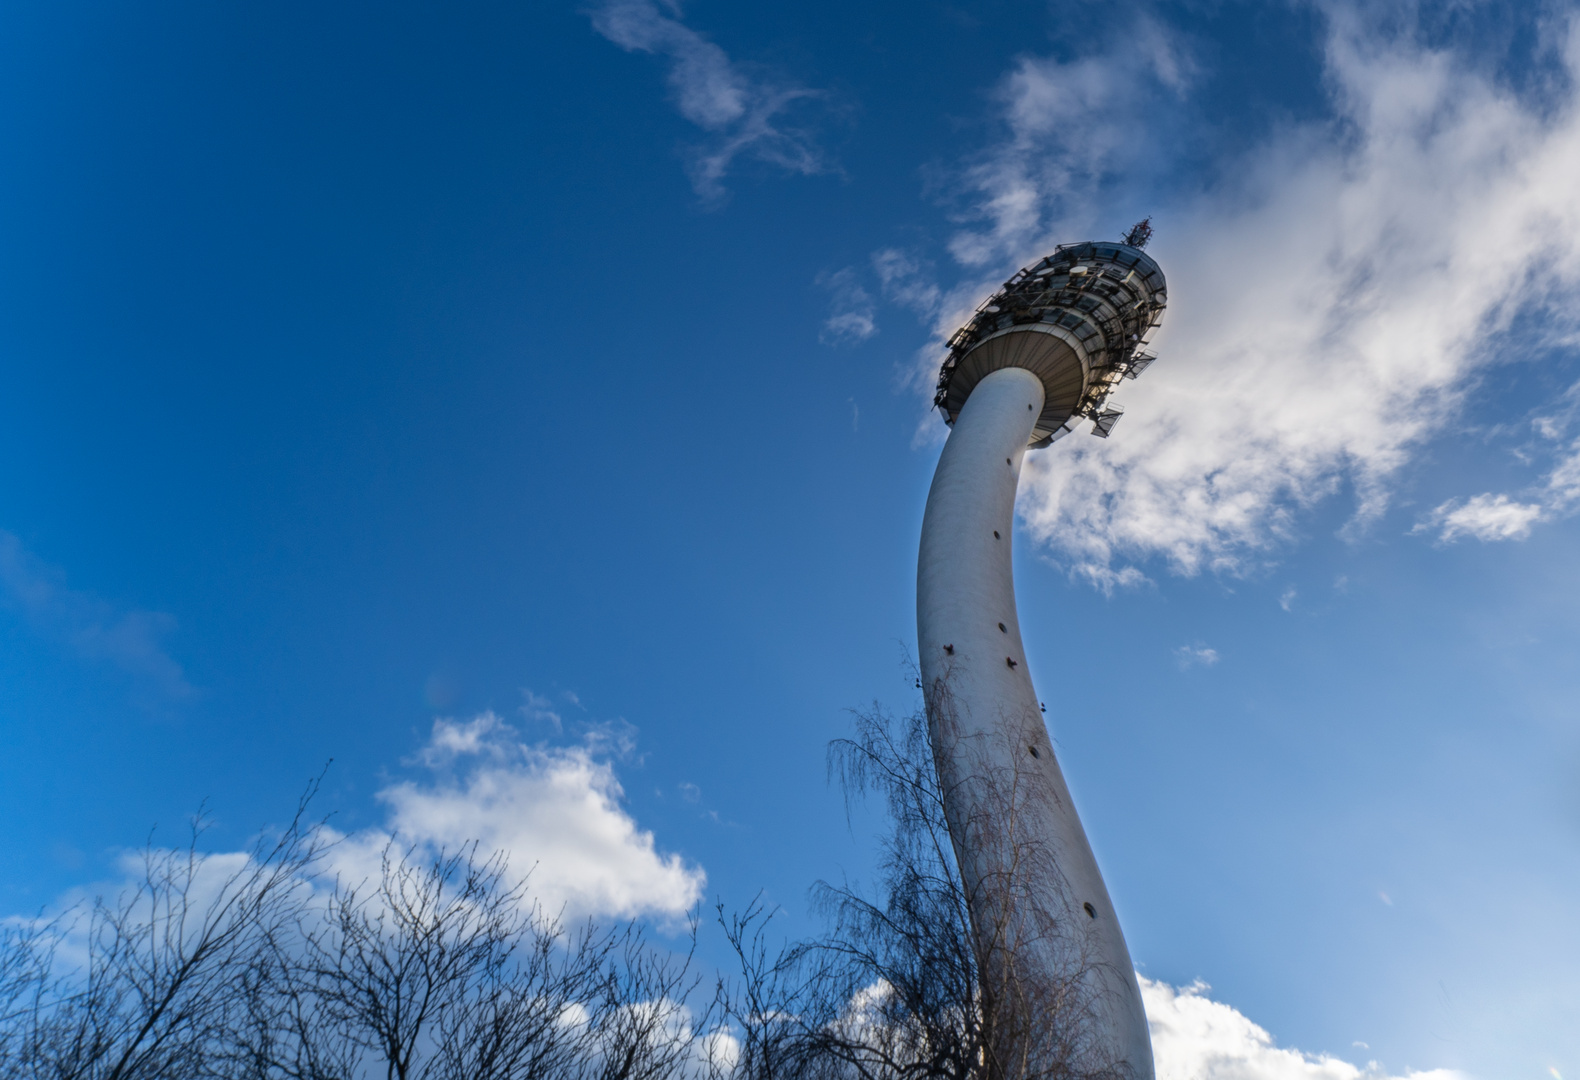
{"x": 1059, "y": 991}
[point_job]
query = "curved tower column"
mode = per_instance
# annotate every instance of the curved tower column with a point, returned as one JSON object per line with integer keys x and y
{"x": 1058, "y": 985}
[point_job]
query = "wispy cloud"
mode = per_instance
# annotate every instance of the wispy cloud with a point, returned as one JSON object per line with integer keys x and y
{"x": 1497, "y": 516}
{"x": 905, "y": 280}
{"x": 1197, "y": 1038}
{"x": 1334, "y": 296}
{"x": 125, "y": 638}
{"x": 746, "y": 116}
{"x": 1189, "y": 656}
{"x": 1071, "y": 126}
{"x": 540, "y": 710}
{"x": 852, "y": 317}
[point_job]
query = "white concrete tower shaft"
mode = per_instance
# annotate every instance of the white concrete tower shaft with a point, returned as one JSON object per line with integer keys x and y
{"x": 1058, "y": 986}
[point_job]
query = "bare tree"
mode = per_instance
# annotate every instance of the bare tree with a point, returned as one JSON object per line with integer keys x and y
{"x": 443, "y": 970}
{"x": 890, "y": 991}
{"x": 252, "y": 967}
{"x": 153, "y": 996}
{"x": 641, "y": 1024}
{"x": 26, "y": 963}
{"x": 907, "y": 986}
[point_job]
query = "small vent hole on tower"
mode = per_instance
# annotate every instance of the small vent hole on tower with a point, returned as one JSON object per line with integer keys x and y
{"x": 995, "y": 534}
{"x": 950, "y": 649}
{"x": 1010, "y": 661}
{"x": 1033, "y": 750}
{"x": 1002, "y": 629}
{"x": 1090, "y": 910}
{"x": 1006, "y": 461}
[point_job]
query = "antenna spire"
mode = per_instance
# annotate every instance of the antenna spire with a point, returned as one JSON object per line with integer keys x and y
{"x": 1139, "y": 233}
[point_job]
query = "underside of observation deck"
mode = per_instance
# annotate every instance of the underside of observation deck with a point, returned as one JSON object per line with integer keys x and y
{"x": 1079, "y": 319}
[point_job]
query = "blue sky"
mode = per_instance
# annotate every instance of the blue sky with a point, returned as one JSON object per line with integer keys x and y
{"x": 525, "y": 406}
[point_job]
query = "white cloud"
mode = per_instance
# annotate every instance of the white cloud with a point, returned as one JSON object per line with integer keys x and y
{"x": 129, "y": 640}
{"x": 451, "y": 740}
{"x": 1196, "y": 1038}
{"x": 1188, "y": 656}
{"x": 744, "y": 115}
{"x": 1485, "y": 517}
{"x": 555, "y": 813}
{"x": 554, "y": 810}
{"x": 1334, "y": 298}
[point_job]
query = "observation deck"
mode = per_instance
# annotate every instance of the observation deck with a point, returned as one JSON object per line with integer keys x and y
{"x": 1078, "y": 320}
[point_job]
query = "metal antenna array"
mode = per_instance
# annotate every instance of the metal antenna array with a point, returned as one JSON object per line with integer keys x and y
{"x": 1078, "y": 319}
{"x": 1139, "y": 234}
